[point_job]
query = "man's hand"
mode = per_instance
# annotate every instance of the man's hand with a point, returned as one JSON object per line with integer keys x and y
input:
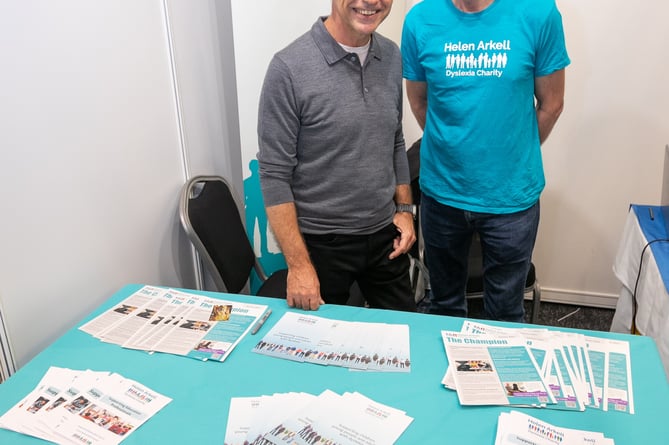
{"x": 407, "y": 234}
{"x": 303, "y": 289}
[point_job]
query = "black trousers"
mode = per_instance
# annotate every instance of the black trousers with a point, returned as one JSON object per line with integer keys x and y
{"x": 340, "y": 260}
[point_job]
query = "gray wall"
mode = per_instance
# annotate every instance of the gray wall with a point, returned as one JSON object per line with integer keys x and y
{"x": 107, "y": 107}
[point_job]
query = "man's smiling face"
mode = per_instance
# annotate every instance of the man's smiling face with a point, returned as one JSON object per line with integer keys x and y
{"x": 353, "y": 21}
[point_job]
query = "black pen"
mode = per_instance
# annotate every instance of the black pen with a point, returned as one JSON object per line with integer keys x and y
{"x": 261, "y": 322}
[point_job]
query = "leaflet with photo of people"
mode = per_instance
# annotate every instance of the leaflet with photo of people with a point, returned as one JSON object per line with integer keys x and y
{"x": 517, "y": 428}
{"x": 362, "y": 346}
{"x": 83, "y": 406}
{"x": 581, "y": 372}
{"x": 176, "y": 322}
{"x": 495, "y": 370}
{"x": 305, "y": 419}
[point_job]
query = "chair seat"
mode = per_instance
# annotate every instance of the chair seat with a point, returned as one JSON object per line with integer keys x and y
{"x": 275, "y": 285}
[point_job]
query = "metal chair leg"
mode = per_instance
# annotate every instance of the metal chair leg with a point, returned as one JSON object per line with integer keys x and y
{"x": 536, "y": 302}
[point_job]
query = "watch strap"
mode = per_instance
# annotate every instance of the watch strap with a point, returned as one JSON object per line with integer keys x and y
{"x": 408, "y": 208}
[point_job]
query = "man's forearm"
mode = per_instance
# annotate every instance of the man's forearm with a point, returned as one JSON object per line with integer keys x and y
{"x": 283, "y": 220}
{"x": 403, "y": 194}
{"x": 302, "y": 287}
{"x": 546, "y": 120}
{"x": 417, "y": 95}
{"x": 549, "y": 91}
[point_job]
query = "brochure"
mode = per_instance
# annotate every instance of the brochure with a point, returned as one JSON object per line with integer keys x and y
{"x": 491, "y": 370}
{"x": 561, "y": 382}
{"x": 598, "y": 355}
{"x": 355, "y": 345}
{"x": 619, "y": 394}
{"x": 168, "y": 316}
{"x": 303, "y": 419}
{"x": 176, "y": 322}
{"x": 241, "y": 412}
{"x": 294, "y": 336}
{"x": 515, "y": 428}
{"x": 210, "y": 329}
{"x": 579, "y": 369}
{"x": 70, "y": 406}
{"x": 273, "y": 410}
{"x": 121, "y": 311}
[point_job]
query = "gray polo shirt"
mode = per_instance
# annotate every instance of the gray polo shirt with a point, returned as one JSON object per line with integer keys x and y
{"x": 330, "y": 133}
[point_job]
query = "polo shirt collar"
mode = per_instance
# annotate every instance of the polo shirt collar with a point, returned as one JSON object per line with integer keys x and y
{"x": 331, "y": 50}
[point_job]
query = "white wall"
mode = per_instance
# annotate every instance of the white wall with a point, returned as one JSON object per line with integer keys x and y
{"x": 95, "y": 147}
{"x": 607, "y": 149}
{"x": 205, "y": 74}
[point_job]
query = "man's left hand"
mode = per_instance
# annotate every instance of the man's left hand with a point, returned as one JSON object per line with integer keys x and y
{"x": 407, "y": 234}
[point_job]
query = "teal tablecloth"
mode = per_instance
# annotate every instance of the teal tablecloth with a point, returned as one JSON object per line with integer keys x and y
{"x": 201, "y": 391}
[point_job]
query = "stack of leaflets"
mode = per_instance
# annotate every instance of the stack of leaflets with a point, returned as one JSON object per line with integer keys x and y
{"x": 305, "y": 419}
{"x": 490, "y": 365}
{"x": 174, "y": 322}
{"x": 516, "y": 428}
{"x": 355, "y": 345}
{"x": 69, "y": 406}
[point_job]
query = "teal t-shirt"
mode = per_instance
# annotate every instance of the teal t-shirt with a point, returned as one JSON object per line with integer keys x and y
{"x": 480, "y": 149}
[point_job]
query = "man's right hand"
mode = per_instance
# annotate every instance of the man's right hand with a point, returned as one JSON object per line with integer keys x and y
{"x": 303, "y": 288}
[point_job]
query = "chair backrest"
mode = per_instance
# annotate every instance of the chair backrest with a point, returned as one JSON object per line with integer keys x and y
{"x": 420, "y": 280}
{"x": 210, "y": 216}
{"x": 475, "y": 267}
{"x": 413, "y": 156}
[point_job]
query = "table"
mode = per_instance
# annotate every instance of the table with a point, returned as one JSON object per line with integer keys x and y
{"x": 201, "y": 390}
{"x": 644, "y": 224}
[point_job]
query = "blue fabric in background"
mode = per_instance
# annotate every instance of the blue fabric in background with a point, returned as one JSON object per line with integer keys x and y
{"x": 653, "y": 226}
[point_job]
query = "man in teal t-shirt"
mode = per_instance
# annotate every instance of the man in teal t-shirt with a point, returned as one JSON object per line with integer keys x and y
{"x": 485, "y": 80}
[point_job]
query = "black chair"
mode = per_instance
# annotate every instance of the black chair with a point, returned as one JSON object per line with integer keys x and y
{"x": 210, "y": 215}
{"x": 475, "y": 263}
{"x": 420, "y": 278}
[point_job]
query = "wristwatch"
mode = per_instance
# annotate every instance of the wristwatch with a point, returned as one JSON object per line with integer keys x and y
{"x": 409, "y": 208}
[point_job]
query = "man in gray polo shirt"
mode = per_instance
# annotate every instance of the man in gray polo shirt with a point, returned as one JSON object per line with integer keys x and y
{"x": 333, "y": 165}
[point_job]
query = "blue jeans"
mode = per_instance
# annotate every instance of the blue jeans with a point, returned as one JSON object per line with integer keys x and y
{"x": 507, "y": 242}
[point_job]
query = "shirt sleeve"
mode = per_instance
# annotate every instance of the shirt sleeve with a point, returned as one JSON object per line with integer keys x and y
{"x": 551, "y": 49}
{"x": 401, "y": 162}
{"x": 411, "y": 67}
{"x": 278, "y": 127}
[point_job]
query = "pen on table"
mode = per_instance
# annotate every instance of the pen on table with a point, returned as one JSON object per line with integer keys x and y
{"x": 261, "y": 322}
{"x": 650, "y": 211}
